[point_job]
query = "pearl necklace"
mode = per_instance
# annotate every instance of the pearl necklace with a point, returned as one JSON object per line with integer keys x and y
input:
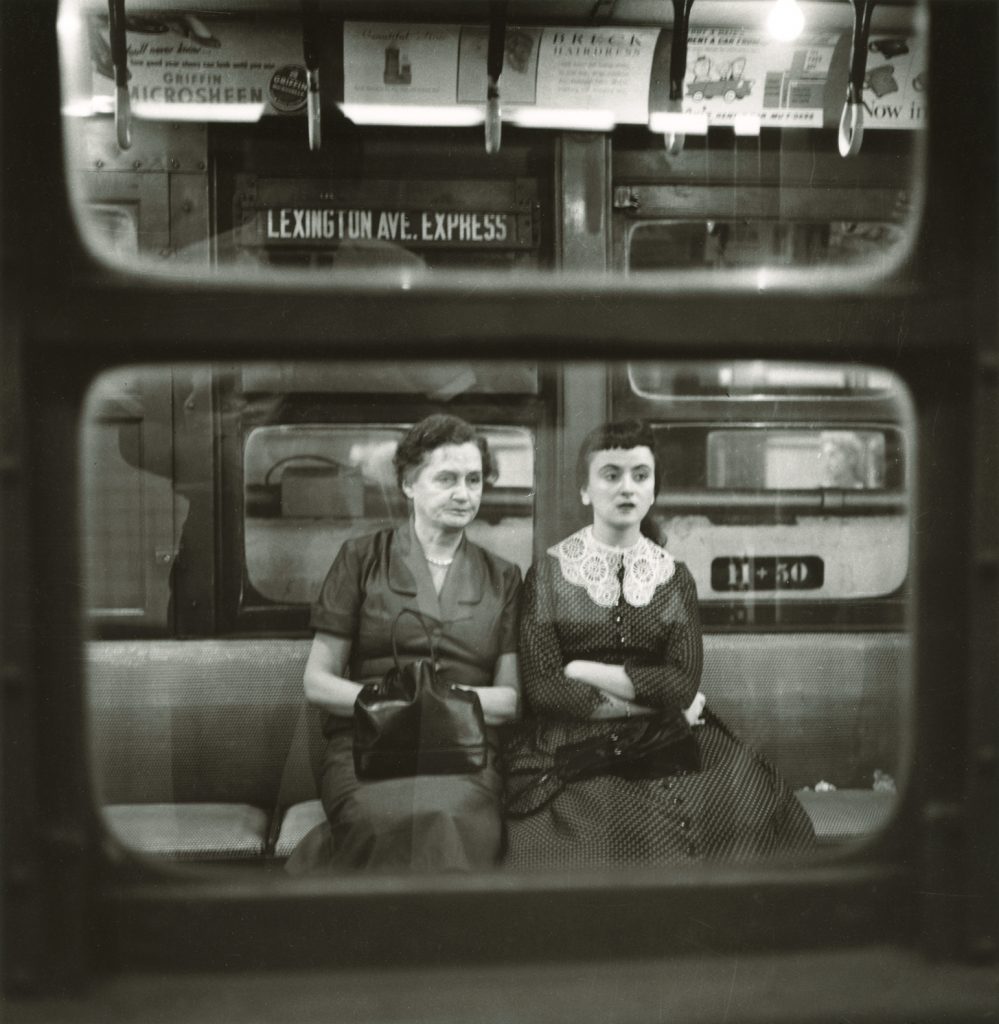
{"x": 442, "y": 562}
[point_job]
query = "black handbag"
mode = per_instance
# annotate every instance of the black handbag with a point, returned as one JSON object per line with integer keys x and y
{"x": 648, "y": 747}
{"x": 411, "y": 723}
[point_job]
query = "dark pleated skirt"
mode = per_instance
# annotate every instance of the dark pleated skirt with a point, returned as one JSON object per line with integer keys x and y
{"x": 427, "y": 823}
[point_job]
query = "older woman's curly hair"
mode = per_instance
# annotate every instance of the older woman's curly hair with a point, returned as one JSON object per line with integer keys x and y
{"x": 434, "y": 432}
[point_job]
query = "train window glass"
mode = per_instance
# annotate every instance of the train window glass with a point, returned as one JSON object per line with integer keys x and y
{"x": 216, "y": 494}
{"x": 785, "y": 489}
{"x": 199, "y": 123}
{"x": 309, "y": 488}
{"x": 758, "y": 380}
{"x": 785, "y": 460}
{"x": 717, "y": 244}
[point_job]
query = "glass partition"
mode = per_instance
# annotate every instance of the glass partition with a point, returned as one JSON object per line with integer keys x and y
{"x": 720, "y": 589}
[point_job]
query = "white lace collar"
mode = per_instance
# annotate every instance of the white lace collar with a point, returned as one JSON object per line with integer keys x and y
{"x": 594, "y": 566}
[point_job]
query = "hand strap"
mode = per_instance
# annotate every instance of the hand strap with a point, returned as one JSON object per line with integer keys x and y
{"x": 422, "y": 620}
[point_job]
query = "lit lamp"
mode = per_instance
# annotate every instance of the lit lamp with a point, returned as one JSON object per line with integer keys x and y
{"x": 785, "y": 20}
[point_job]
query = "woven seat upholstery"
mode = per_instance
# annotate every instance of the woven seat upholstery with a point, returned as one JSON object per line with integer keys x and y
{"x": 847, "y": 814}
{"x": 296, "y": 823}
{"x": 190, "y": 831}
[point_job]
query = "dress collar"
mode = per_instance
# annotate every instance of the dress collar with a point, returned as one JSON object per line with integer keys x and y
{"x": 408, "y": 573}
{"x": 587, "y": 563}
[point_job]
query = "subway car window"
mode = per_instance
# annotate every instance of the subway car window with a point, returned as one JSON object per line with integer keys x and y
{"x": 266, "y": 139}
{"x": 245, "y": 524}
{"x": 769, "y": 458}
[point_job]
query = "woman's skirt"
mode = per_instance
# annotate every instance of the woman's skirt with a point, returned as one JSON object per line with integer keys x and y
{"x": 425, "y": 823}
{"x": 736, "y": 807}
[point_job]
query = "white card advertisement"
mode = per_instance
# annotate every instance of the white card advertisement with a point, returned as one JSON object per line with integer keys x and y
{"x": 400, "y": 64}
{"x": 895, "y": 83}
{"x": 732, "y": 73}
{"x": 554, "y": 69}
{"x": 208, "y": 63}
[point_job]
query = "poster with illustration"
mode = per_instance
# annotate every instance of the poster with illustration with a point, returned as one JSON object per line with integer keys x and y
{"x": 400, "y": 64}
{"x": 518, "y": 82}
{"x": 732, "y": 73}
{"x": 895, "y": 82}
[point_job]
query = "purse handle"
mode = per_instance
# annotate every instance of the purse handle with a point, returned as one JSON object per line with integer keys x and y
{"x": 423, "y": 623}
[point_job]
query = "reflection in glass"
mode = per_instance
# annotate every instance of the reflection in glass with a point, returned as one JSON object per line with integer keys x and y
{"x": 752, "y": 243}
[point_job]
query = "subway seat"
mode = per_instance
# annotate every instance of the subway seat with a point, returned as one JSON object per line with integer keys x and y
{"x": 190, "y": 831}
{"x": 204, "y": 750}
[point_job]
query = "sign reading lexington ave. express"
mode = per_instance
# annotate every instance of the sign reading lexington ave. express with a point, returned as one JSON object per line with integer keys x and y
{"x": 313, "y": 226}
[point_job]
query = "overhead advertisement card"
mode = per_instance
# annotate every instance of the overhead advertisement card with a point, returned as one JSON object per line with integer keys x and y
{"x": 210, "y": 64}
{"x": 605, "y": 70}
{"x": 733, "y": 73}
{"x": 895, "y": 82}
{"x": 400, "y": 64}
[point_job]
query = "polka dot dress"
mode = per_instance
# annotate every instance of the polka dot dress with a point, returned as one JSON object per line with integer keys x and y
{"x": 735, "y": 807}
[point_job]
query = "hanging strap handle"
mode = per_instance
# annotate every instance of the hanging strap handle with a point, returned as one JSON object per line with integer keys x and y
{"x": 678, "y": 70}
{"x": 422, "y": 619}
{"x": 119, "y": 58}
{"x": 310, "y": 52}
{"x": 494, "y": 68}
{"x": 851, "y": 122}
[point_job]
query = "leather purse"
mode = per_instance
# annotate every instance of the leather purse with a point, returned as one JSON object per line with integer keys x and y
{"x": 650, "y": 747}
{"x": 412, "y": 723}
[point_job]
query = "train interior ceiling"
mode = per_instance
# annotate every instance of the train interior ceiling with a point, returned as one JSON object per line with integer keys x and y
{"x": 639, "y": 140}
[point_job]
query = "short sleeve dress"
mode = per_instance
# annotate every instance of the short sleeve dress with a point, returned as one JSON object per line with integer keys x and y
{"x": 430, "y": 822}
{"x": 636, "y": 608}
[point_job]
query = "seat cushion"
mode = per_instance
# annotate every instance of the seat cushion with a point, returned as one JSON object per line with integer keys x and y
{"x": 190, "y": 831}
{"x": 843, "y": 814}
{"x": 297, "y": 822}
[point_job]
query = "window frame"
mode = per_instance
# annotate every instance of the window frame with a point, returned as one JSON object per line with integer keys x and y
{"x": 83, "y": 908}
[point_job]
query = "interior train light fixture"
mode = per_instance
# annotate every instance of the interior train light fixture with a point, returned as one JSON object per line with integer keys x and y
{"x": 119, "y": 58}
{"x": 494, "y": 68}
{"x": 413, "y": 114}
{"x": 785, "y": 21}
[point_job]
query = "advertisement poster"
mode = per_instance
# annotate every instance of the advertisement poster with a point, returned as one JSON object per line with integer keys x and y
{"x": 597, "y": 69}
{"x": 205, "y": 60}
{"x": 732, "y": 73}
{"x": 400, "y": 64}
{"x": 558, "y": 69}
{"x": 518, "y": 83}
{"x": 225, "y": 67}
{"x": 895, "y": 83}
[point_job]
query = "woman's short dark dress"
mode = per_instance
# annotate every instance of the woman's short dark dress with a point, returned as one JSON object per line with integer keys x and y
{"x": 736, "y": 807}
{"x": 430, "y": 822}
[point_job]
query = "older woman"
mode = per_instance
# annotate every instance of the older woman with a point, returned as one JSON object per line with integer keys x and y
{"x": 432, "y": 822}
{"x": 610, "y": 632}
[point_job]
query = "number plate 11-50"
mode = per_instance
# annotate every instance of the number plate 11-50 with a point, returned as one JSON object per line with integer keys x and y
{"x": 780, "y": 572}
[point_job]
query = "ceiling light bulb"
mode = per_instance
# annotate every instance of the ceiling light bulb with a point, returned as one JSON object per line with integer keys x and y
{"x": 785, "y": 21}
